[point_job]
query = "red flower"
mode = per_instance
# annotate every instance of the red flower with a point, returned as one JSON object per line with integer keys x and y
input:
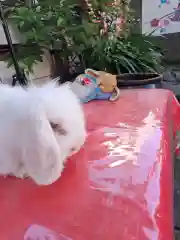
{"x": 154, "y": 22}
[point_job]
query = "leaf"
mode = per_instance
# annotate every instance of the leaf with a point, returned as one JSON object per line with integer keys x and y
{"x": 22, "y": 11}
{"x": 38, "y": 8}
{"x": 21, "y": 24}
{"x": 15, "y": 17}
{"x": 49, "y": 14}
{"x": 60, "y": 21}
{"x": 126, "y": 63}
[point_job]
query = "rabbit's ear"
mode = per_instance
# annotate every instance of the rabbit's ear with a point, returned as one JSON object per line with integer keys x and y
{"x": 43, "y": 159}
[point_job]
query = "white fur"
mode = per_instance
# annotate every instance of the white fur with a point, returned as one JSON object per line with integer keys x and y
{"x": 28, "y": 145}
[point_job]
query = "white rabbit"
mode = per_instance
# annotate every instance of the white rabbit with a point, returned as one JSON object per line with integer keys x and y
{"x": 39, "y": 129}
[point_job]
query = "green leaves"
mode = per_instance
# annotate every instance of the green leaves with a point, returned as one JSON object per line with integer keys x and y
{"x": 68, "y": 26}
{"x": 27, "y": 57}
{"x": 38, "y": 8}
{"x": 130, "y": 55}
{"x": 60, "y": 21}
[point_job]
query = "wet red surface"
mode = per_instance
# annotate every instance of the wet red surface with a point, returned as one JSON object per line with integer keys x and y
{"x": 118, "y": 187}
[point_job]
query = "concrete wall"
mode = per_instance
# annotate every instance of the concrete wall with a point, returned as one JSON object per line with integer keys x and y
{"x": 168, "y": 42}
{"x": 15, "y": 36}
{"x": 41, "y": 70}
{"x": 41, "y": 73}
{"x": 160, "y": 17}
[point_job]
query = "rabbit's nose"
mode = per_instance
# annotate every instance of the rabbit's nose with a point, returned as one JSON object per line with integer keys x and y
{"x": 73, "y": 151}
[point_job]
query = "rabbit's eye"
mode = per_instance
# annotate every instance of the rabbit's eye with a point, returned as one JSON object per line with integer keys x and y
{"x": 58, "y": 128}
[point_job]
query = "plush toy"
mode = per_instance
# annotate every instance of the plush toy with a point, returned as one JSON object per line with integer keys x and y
{"x": 94, "y": 85}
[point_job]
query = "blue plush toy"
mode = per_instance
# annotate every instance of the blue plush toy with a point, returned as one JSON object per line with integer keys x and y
{"x": 87, "y": 88}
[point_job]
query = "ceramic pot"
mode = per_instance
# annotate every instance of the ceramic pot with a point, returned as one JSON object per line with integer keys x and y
{"x": 139, "y": 80}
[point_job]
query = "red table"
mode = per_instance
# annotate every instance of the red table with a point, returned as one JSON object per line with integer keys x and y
{"x": 118, "y": 187}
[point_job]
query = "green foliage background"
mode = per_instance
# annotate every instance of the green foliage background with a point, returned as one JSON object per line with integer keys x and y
{"x": 73, "y": 27}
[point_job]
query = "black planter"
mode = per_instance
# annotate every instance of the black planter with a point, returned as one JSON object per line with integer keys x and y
{"x": 139, "y": 80}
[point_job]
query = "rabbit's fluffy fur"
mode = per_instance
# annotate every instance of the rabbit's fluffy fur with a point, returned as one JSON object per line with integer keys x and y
{"x": 39, "y": 129}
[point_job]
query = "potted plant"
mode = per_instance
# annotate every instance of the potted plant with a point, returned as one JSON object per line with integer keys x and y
{"x": 135, "y": 58}
{"x": 48, "y": 27}
{"x": 96, "y": 34}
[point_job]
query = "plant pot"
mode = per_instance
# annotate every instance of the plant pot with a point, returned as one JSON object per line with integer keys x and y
{"x": 139, "y": 80}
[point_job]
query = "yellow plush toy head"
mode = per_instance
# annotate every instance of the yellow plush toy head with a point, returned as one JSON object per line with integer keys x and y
{"x": 107, "y": 82}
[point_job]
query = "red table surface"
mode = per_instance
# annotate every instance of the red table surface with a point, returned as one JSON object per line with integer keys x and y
{"x": 118, "y": 187}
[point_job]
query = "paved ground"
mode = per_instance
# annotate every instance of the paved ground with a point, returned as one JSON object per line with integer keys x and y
{"x": 177, "y": 236}
{"x": 172, "y": 82}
